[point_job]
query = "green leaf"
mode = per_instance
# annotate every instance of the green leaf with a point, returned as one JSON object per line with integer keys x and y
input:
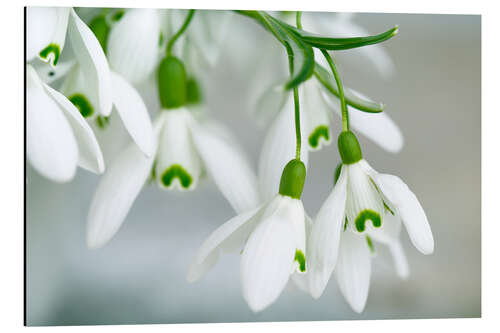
{"x": 327, "y": 80}
{"x": 302, "y": 52}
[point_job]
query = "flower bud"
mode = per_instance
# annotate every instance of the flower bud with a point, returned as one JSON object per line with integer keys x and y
{"x": 172, "y": 83}
{"x": 292, "y": 179}
{"x": 349, "y": 149}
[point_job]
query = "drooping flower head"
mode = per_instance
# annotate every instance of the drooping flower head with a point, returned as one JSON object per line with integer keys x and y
{"x": 363, "y": 205}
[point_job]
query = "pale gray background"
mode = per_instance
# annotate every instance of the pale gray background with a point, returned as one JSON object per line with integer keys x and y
{"x": 139, "y": 277}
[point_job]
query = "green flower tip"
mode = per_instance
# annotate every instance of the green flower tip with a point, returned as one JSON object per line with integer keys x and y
{"x": 336, "y": 176}
{"x": 82, "y": 104}
{"x": 51, "y": 54}
{"x": 349, "y": 149}
{"x": 301, "y": 259}
{"x": 321, "y": 131}
{"x": 292, "y": 179}
{"x": 367, "y": 215}
{"x": 102, "y": 122}
{"x": 101, "y": 29}
{"x": 396, "y": 30}
{"x": 172, "y": 83}
{"x": 176, "y": 171}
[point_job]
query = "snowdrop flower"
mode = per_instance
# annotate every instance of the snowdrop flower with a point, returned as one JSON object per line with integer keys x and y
{"x": 272, "y": 237}
{"x": 343, "y": 25}
{"x": 317, "y": 105}
{"x": 58, "y": 137}
{"x": 338, "y": 238}
{"x": 183, "y": 148}
{"x": 124, "y": 97}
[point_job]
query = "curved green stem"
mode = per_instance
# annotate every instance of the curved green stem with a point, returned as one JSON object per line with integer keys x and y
{"x": 296, "y": 103}
{"x": 183, "y": 28}
{"x": 345, "y": 114}
{"x": 298, "y": 19}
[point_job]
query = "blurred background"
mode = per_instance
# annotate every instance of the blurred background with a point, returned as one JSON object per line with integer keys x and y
{"x": 139, "y": 277}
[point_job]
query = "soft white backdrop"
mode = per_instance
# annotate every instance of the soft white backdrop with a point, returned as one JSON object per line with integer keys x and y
{"x": 140, "y": 276}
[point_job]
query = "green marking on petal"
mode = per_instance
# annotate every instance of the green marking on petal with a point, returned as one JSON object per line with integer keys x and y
{"x": 161, "y": 39}
{"x": 101, "y": 29}
{"x": 388, "y": 209}
{"x": 102, "y": 122}
{"x": 370, "y": 244}
{"x": 345, "y": 224}
{"x": 367, "y": 215}
{"x": 320, "y": 131}
{"x": 176, "y": 171}
{"x": 301, "y": 259}
{"x": 51, "y": 53}
{"x": 83, "y": 104}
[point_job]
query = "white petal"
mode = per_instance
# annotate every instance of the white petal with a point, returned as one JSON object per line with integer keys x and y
{"x": 409, "y": 209}
{"x": 178, "y": 165}
{"x": 399, "y": 258}
{"x": 75, "y": 86}
{"x": 49, "y": 74}
{"x": 40, "y": 27}
{"x": 93, "y": 63}
{"x": 133, "y": 44}
{"x": 318, "y": 121}
{"x": 90, "y": 155}
{"x": 46, "y": 32}
{"x": 133, "y": 113}
{"x": 239, "y": 227}
{"x": 389, "y": 234}
{"x": 50, "y": 144}
{"x": 300, "y": 279}
{"x": 364, "y": 204}
{"x": 325, "y": 236}
{"x": 270, "y": 103}
{"x": 208, "y": 31}
{"x": 278, "y": 149}
{"x": 353, "y": 270}
{"x": 268, "y": 257}
{"x": 117, "y": 191}
{"x": 228, "y": 167}
{"x": 378, "y": 127}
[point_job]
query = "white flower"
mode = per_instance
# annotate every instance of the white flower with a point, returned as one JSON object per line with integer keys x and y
{"x": 338, "y": 236}
{"x": 183, "y": 147}
{"x": 58, "y": 137}
{"x": 133, "y": 45}
{"x": 273, "y": 240}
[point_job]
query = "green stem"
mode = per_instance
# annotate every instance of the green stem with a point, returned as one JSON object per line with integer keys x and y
{"x": 298, "y": 19}
{"x": 296, "y": 103}
{"x": 180, "y": 32}
{"x": 345, "y": 114}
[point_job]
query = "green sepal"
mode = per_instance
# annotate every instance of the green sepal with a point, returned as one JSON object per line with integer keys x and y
{"x": 172, "y": 83}
{"x": 82, "y": 104}
{"x": 117, "y": 15}
{"x": 349, "y": 149}
{"x": 328, "y": 81}
{"x": 53, "y": 49}
{"x": 301, "y": 259}
{"x": 366, "y": 215}
{"x": 193, "y": 94}
{"x": 101, "y": 29}
{"x": 176, "y": 171}
{"x": 292, "y": 179}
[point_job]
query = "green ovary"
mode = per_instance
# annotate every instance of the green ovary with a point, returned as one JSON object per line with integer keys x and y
{"x": 53, "y": 49}
{"x": 320, "y": 131}
{"x": 367, "y": 215}
{"x": 301, "y": 259}
{"x": 176, "y": 171}
{"x": 83, "y": 104}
